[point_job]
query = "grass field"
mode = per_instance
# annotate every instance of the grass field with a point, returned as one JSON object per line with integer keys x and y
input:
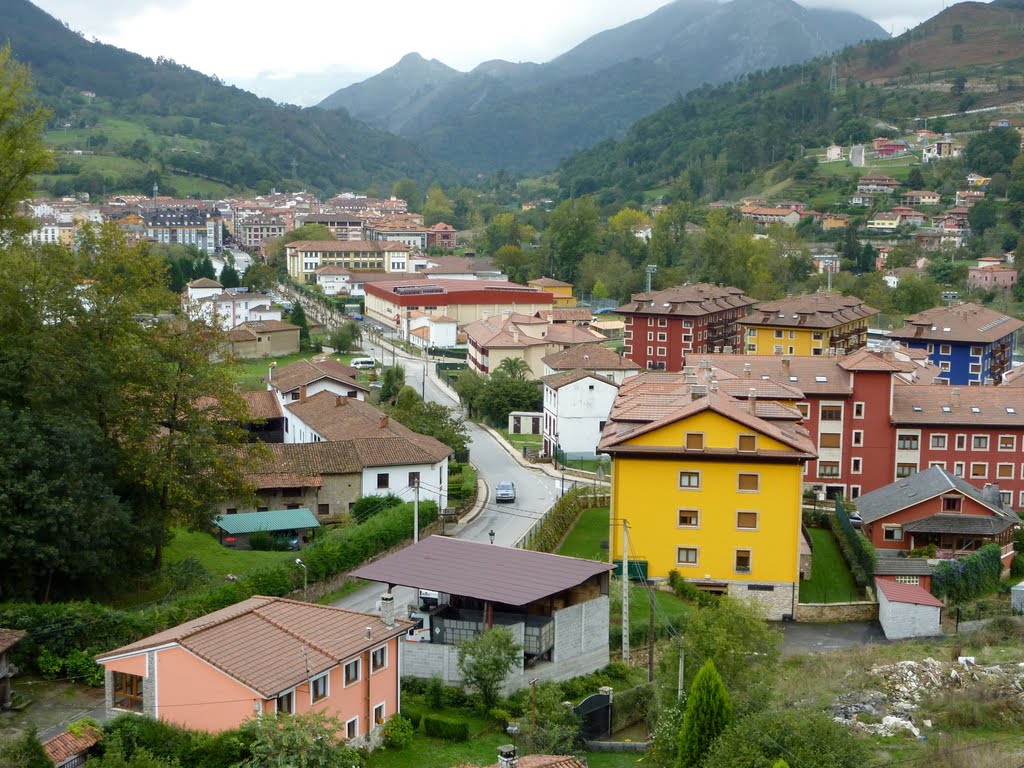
{"x": 250, "y": 372}
{"x": 587, "y": 536}
{"x": 830, "y": 580}
{"x": 220, "y": 560}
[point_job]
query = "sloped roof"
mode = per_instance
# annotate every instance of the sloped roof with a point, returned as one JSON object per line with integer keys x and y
{"x": 65, "y": 746}
{"x": 907, "y": 593}
{"x": 814, "y": 375}
{"x": 273, "y": 520}
{"x": 294, "y": 375}
{"x": 267, "y": 326}
{"x": 565, "y": 378}
{"x": 263, "y": 405}
{"x": 919, "y": 487}
{"x": 687, "y": 301}
{"x": 482, "y": 571}
{"x": 549, "y": 282}
{"x": 591, "y": 357}
{"x": 302, "y": 464}
{"x": 815, "y": 310}
{"x": 204, "y": 282}
{"x": 10, "y": 637}
{"x": 982, "y": 525}
{"x": 964, "y": 323}
{"x": 901, "y": 566}
{"x": 968, "y": 406}
{"x": 270, "y": 643}
{"x": 865, "y": 359}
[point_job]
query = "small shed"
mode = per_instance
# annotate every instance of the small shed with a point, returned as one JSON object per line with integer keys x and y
{"x": 294, "y": 526}
{"x": 71, "y": 749}
{"x": 8, "y": 639}
{"x": 907, "y": 610}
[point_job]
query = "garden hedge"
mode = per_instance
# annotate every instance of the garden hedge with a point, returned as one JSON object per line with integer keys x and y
{"x": 969, "y": 577}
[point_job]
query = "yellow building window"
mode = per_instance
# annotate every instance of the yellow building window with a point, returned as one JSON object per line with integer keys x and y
{"x": 746, "y": 521}
{"x": 747, "y": 443}
{"x": 689, "y": 479}
{"x": 748, "y": 482}
{"x": 744, "y": 558}
{"x": 689, "y": 518}
{"x": 686, "y": 555}
{"x": 695, "y": 441}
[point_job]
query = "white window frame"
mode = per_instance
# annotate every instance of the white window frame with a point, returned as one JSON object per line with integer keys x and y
{"x": 748, "y": 490}
{"x": 1005, "y": 464}
{"x": 1011, "y": 438}
{"x": 282, "y": 694}
{"x": 356, "y": 729}
{"x": 856, "y": 465}
{"x": 915, "y": 580}
{"x": 326, "y": 677}
{"x": 895, "y": 530}
{"x": 985, "y": 444}
{"x": 374, "y": 669}
{"x": 859, "y": 409}
{"x": 936, "y": 436}
{"x": 857, "y": 438}
{"x": 359, "y": 673}
{"x": 961, "y": 442}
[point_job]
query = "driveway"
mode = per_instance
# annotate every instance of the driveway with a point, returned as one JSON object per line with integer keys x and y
{"x": 798, "y": 637}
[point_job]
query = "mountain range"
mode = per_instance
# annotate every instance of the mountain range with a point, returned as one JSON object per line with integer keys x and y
{"x": 527, "y": 116}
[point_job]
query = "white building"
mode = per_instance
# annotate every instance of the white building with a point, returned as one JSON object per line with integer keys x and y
{"x": 207, "y": 300}
{"x": 576, "y": 407}
{"x": 305, "y": 378}
{"x": 424, "y": 330}
{"x": 595, "y": 358}
{"x": 334, "y": 281}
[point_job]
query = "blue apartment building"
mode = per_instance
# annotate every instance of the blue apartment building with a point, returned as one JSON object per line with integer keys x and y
{"x": 969, "y": 343}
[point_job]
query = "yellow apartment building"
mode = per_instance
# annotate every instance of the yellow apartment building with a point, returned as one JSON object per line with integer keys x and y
{"x": 813, "y": 324}
{"x": 710, "y": 489}
{"x": 561, "y": 291}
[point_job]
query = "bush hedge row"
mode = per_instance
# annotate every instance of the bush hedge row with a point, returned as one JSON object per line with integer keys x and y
{"x": 968, "y": 577}
{"x": 445, "y": 728}
{"x": 548, "y": 535}
{"x": 66, "y": 630}
{"x": 857, "y": 549}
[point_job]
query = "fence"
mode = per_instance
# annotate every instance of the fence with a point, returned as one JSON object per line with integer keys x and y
{"x": 855, "y": 546}
{"x": 547, "y": 532}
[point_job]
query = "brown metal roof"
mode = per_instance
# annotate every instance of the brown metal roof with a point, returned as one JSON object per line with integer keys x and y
{"x": 694, "y": 300}
{"x": 481, "y": 571}
{"x": 964, "y": 323}
{"x": 815, "y": 310}
{"x": 962, "y": 406}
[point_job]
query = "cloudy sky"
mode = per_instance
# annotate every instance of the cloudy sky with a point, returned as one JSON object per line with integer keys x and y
{"x": 304, "y": 51}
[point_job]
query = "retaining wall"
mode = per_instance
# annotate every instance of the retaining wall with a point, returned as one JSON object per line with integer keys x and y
{"x": 836, "y": 612}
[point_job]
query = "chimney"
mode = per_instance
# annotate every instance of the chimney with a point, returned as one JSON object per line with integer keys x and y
{"x": 384, "y": 421}
{"x": 752, "y": 400}
{"x": 746, "y": 370}
{"x": 302, "y": 393}
{"x": 338, "y": 400}
{"x": 990, "y": 493}
{"x": 387, "y": 609}
{"x": 507, "y": 757}
{"x": 785, "y": 364}
{"x": 369, "y": 633}
{"x": 515, "y": 335}
{"x": 954, "y": 396}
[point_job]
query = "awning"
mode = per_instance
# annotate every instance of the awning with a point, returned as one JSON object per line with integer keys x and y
{"x": 278, "y": 520}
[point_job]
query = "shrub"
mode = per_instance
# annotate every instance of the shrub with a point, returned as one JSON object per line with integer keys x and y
{"x": 79, "y": 665}
{"x": 49, "y": 664}
{"x": 969, "y": 577}
{"x": 414, "y": 716}
{"x": 857, "y": 550}
{"x": 1017, "y": 567}
{"x": 928, "y": 551}
{"x": 563, "y": 515}
{"x": 500, "y": 716}
{"x": 684, "y": 590}
{"x": 434, "y": 692}
{"x": 262, "y": 541}
{"x": 366, "y": 507}
{"x": 398, "y": 732}
{"x": 446, "y": 728}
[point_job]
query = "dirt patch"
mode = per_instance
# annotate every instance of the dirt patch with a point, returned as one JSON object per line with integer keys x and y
{"x": 53, "y": 705}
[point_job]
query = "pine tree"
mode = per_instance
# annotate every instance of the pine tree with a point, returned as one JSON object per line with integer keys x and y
{"x": 298, "y": 317}
{"x": 229, "y": 277}
{"x": 708, "y": 713}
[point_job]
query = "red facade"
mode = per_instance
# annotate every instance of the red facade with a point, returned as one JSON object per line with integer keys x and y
{"x": 661, "y": 343}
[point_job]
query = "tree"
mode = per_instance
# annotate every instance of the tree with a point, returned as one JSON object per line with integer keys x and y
{"x": 259, "y": 277}
{"x": 470, "y": 386}
{"x": 437, "y": 207}
{"x": 516, "y": 368}
{"x": 406, "y": 189}
{"x": 572, "y": 233}
{"x": 485, "y": 662}
{"x": 621, "y": 235}
{"x": 298, "y": 317}
{"x": 982, "y": 216}
{"x": 347, "y": 337}
{"x": 557, "y": 730}
{"x": 502, "y": 394}
{"x": 310, "y": 740}
{"x": 708, "y": 713}
{"x": 229, "y": 277}
{"x": 22, "y": 121}
{"x": 432, "y": 419}
{"x": 274, "y": 250}
{"x": 915, "y": 179}
{"x": 916, "y": 294}
{"x": 24, "y": 751}
{"x": 392, "y": 379}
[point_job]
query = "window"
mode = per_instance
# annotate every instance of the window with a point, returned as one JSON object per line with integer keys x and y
{"x": 662, "y": 322}
{"x": 414, "y": 479}
{"x": 1006, "y": 498}
{"x": 747, "y": 481}
{"x": 905, "y": 470}
{"x": 352, "y": 672}
{"x": 128, "y": 691}
{"x": 352, "y": 728}
{"x": 1007, "y": 442}
{"x": 975, "y": 368}
{"x": 958, "y": 469}
{"x": 688, "y": 479}
{"x": 650, "y": 335}
{"x": 746, "y": 521}
{"x": 686, "y": 555}
{"x": 650, "y": 322}
{"x": 319, "y": 688}
{"x": 858, "y": 437}
{"x": 892, "y": 532}
{"x": 830, "y": 440}
{"x": 777, "y": 349}
{"x": 855, "y": 466}
{"x": 854, "y": 491}
{"x": 379, "y": 659}
{"x": 662, "y": 351}
{"x": 979, "y": 443}
{"x": 792, "y": 334}
{"x": 778, "y": 334}
{"x": 938, "y": 441}
{"x": 831, "y": 412}
{"x": 975, "y": 351}
{"x": 805, "y": 409}
{"x": 907, "y": 442}
{"x": 944, "y": 349}
{"x": 1004, "y": 471}
{"x": 688, "y": 518}
{"x": 952, "y": 503}
{"x": 751, "y": 333}
{"x": 961, "y": 442}
{"x": 383, "y": 480}
{"x": 915, "y": 580}
{"x": 378, "y": 714}
{"x": 285, "y": 704}
{"x": 743, "y": 561}
{"x": 828, "y": 469}
{"x": 662, "y": 337}
{"x": 747, "y": 443}
{"x": 979, "y": 469}
{"x": 231, "y": 511}
{"x": 817, "y": 335}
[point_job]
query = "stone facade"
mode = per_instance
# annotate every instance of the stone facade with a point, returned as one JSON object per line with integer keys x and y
{"x": 337, "y": 492}
{"x": 776, "y": 599}
{"x": 826, "y": 612}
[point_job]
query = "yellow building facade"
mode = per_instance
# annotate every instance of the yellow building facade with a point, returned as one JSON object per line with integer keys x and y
{"x": 562, "y": 292}
{"x": 815, "y": 324}
{"x": 713, "y": 492}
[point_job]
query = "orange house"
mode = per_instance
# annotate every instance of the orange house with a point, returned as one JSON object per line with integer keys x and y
{"x": 257, "y": 658}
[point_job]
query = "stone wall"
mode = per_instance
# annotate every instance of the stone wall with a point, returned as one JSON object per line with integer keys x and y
{"x": 828, "y": 612}
{"x": 777, "y": 599}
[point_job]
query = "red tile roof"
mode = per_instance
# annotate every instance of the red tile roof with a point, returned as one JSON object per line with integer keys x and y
{"x": 694, "y": 300}
{"x": 293, "y": 376}
{"x": 907, "y": 593}
{"x": 590, "y": 357}
{"x": 66, "y": 746}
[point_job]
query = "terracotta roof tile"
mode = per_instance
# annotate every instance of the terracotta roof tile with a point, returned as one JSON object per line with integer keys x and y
{"x": 965, "y": 323}
{"x": 969, "y": 406}
{"x": 294, "y": 375}
{"x": 262, "y": 405}
{"x": 687, "y": 301}
{"x": 565, "y": 378}
{"x": 590, "y": 357}
{"x": 65, "y": 746}
{"x": 10, "y": 637}
{"x": 907, "y": 593}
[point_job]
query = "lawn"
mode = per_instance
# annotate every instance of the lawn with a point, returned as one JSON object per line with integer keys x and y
{"x": 830, "y": 580}
{"x": 519, "y": 441}
{"x": 217, "y": 559}
{"x": 586, "y": 538}
{"x": 249, "y": 373}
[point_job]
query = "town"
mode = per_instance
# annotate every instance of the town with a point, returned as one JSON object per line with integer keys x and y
{"x": 720, "y": 474}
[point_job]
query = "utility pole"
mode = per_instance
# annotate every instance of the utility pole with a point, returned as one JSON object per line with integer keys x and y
{"x": 625, "y": 591}
{"x": 682, "y": 669}
{"x": 650, "y": 270}
{"x": 650, "y": 639}
{"x": 416, "y": 511}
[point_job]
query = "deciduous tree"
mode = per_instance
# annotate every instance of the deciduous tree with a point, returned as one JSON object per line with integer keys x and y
{"x": 485, "y": 662}
{"x": 310, "y": 740}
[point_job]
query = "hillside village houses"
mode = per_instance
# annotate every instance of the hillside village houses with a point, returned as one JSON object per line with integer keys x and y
{"x": 208, "y": 300}
{"x": 530, "y": 338}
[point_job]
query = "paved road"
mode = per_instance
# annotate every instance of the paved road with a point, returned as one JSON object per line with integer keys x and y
{"x": 810, "y": 638}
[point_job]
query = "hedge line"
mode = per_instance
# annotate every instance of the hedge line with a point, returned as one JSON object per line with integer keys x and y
{"x": 968, "y": 577}
{"x": 65, "y": 630}
{"x": 445, "y": 728}
{"x": 549, "y": 534}
{"x": 857, "y": 549}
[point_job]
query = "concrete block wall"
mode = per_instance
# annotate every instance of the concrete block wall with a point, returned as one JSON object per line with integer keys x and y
{"x": 903, "y": 620}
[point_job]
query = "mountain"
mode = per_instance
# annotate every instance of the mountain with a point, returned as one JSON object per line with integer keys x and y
{"x": 529, "y": 116}
{"x": 173, "y": 122}
{"x": 718, "y": 140}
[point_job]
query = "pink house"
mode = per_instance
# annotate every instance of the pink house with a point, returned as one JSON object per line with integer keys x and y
{"x": 257, "y": 658}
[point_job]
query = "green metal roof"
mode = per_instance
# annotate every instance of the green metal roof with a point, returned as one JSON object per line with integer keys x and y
{"x": 277, "y": 520}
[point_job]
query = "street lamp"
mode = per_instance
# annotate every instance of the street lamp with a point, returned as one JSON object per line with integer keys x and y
{"x": 491, "y": 534}
{"x": 513, "y": 730}
{"x": 305, "y": 576}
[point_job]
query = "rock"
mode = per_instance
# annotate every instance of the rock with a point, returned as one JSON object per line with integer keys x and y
{"x": 965, "y": 661}
{"x": 927, "y": 723}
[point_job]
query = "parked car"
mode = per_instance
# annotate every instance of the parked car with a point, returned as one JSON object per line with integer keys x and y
{"x": 505, "y": 491}
{"x": 363, "y": 363}
{"x": 856, "y": 520}
{"x": 357, "y": 317}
